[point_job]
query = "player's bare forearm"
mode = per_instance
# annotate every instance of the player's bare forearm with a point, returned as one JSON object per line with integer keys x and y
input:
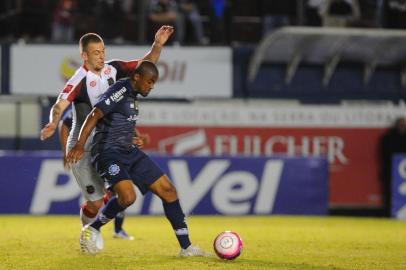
{"x": 161, "y": 37}
{"x": 57, "y": 110}
{"x": 54, "y": 116}
{"x": 91, "y": 120}
{"x": 154, "y": 53}
{"x": 76, "y": 152}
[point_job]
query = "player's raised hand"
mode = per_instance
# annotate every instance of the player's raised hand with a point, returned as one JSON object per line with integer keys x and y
{"x": 163, "y": 34}
{"x": 48, "y": 131}
{"x": 75, "y": 154}
{"x": 138, "y": 142}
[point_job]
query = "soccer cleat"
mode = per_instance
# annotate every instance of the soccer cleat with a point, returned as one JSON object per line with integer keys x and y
{"x": 91, "y": 240}
{"x": 193, "y": 251}
{"x": 123, "y": 235}
{"x": 82, "y": 246}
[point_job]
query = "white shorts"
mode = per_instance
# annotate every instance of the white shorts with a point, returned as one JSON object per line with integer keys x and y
{"x": 89, "y": 181}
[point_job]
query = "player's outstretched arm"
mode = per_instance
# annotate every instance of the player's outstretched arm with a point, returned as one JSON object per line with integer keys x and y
{"x": 92, "y": 118}
{"x": 54, "y": 116}
{"x": 161, "y": 37}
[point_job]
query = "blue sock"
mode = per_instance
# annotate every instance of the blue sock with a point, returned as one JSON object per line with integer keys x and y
{"x": 175, "y": 215}
{"x": 108, "y": 212}
{"x": 118, "y": 221}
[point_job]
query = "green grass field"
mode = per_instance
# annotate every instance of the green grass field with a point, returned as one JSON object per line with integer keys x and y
{"x": 274, "y": 242}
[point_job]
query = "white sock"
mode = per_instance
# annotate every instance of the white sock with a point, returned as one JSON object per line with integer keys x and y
{"x": 85, "y": 219}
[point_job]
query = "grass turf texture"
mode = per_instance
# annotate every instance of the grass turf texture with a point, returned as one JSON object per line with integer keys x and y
{"x": 274, "y": 242}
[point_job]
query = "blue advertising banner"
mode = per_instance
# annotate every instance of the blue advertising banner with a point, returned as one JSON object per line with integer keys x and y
{"x": 36, "y": 183}
{"x": 399, "y": 187}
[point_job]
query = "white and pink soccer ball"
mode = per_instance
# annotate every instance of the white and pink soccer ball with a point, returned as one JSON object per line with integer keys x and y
{"x": 228, "y": 245}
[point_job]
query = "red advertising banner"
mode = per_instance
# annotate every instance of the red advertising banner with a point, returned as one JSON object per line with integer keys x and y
{"x": 352, "y": 152}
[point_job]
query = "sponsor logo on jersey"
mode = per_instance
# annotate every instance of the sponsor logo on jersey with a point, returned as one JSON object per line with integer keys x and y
{"x": 93, "y": 83}
{"x": 117, "y": 96}
{"x": 107, "y": 101}
{"x": 132, "y": 118}
{"x": 114, "y": 169}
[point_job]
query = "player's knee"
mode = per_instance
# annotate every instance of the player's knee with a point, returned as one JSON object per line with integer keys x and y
{"x": 125, "y": 193}
{"x": 126, "y": 199}
{"x": 164, "y": 189}
{"x": 168, "y": 192}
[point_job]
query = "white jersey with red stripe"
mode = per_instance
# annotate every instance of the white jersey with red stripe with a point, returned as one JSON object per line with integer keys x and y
{"x": 84, "y": 89}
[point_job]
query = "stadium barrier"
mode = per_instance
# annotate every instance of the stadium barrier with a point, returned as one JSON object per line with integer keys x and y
{"x": 38, "y": 184}
{"x": 347, "y": 135}
{"x": 399, "y": 187}
{"x": 183, "y": 70}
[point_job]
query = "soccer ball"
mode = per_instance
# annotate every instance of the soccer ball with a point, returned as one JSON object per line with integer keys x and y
{"x": 228, "y": 245}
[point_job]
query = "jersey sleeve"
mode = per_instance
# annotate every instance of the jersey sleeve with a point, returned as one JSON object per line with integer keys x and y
{"x": 123, "y": 67}
{"x": 73, "y": 86}
{"x": 112, "y": 98}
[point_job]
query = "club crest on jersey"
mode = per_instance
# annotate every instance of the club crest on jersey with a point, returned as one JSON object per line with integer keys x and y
{"x": 90, "y": 189}
{"x": 117, "y": 96}
{"x": 114, "y": 169}
{"x": 93, "y": 83}
{"x": 107, "y": 71}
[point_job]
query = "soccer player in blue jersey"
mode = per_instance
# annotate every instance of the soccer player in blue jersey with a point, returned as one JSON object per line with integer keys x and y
{"x": 121, "y": 163}
{"x": 83, "y": 90}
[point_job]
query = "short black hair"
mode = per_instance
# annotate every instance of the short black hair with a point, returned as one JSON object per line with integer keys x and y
{"x": 88, "y": 38}
{"x": 146, "y": 67}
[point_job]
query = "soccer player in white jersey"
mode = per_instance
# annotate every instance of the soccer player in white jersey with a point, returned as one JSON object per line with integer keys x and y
{"x": 83, "y": 89}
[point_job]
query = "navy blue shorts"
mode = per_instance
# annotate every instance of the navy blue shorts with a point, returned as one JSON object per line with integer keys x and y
{"x": 132, "y": 165}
